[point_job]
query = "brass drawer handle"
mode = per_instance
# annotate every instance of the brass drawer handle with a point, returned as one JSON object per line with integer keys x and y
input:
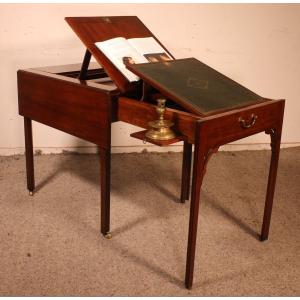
{"x": 244, "y": 124}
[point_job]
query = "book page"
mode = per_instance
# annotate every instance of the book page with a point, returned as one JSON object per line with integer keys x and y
{"x": 150, "y": 49}
{"x": 119, "y": 52}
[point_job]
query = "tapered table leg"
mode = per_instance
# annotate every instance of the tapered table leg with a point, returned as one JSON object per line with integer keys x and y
{"x": 275, "y": 147}
{"x": 200, "y": 160}
{"x": 29, "y": 155}
{"x": 105, "y": 191}
{"x": 186, "y": 171}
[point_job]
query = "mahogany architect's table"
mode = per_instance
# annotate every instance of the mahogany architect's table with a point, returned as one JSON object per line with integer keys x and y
{"x": 85, "y": 102}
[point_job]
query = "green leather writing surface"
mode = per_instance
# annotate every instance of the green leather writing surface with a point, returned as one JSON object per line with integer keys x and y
{"x": 195, "y": 86}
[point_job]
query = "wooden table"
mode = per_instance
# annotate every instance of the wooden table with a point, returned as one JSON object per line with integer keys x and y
{"x": 85, "y": 103}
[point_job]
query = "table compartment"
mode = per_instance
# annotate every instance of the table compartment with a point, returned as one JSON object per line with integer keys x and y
{"x": 139, "y": 113}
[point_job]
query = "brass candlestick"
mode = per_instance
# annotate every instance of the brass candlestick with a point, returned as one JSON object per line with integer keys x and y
{"x": 160, "y": 129}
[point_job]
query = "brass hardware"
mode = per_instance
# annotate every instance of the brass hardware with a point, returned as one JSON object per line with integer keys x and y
{"x": 244, "y": 124}
{"x": 30, "y": 193}
{"x": 108, "y": 235}
{"x": 160, "y": 129}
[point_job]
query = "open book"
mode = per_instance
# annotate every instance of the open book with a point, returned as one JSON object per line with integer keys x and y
{"x": 121, "y": 51}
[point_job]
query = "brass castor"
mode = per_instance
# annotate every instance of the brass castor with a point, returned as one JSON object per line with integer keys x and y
{"x": 30, "y": 193}
{"x": 108, "y": 235}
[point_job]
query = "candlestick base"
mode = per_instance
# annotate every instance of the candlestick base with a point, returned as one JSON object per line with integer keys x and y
{"x": 160, "y": 129}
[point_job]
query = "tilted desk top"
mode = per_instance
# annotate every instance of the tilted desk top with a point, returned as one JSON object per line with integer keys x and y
{"x": 196, "y": 86}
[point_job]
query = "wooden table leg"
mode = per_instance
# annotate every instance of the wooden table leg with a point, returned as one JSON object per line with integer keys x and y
{"x": 275, "y": 147}
{"x": 200, "y": 160}
{"x": 29, "y": 155}
{"x": 105, "y": 191}
{"x": 186, "y": 171}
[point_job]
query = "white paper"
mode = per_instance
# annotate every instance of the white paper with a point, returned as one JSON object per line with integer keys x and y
{"x": 146, "y": 45}
{"x": 136, "y": 51}
{"x": 118, "y": 48}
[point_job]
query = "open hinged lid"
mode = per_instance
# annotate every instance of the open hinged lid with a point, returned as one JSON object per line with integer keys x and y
{"x": 98, "y": 29}
{"x": 195, "y": 86}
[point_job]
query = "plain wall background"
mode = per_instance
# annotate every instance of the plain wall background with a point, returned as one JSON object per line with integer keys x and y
{"x": 257, "y": 45}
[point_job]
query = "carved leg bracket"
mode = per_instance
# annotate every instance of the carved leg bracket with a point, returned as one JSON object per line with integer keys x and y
{"x": 208, "y": 156}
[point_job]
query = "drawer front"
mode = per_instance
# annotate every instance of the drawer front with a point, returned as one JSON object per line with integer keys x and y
{"x": 141, "y": 113}
{"x": 228, "y": 127}
{"x": 76, "y": 109}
